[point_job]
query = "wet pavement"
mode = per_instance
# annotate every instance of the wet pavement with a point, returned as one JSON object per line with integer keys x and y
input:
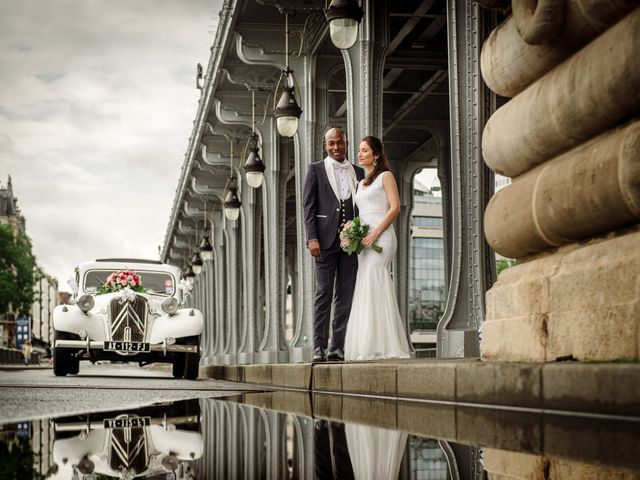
{"x": 115, "y": 424}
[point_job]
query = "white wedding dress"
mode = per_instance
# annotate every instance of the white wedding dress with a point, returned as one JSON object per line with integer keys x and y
{"x": 376, "y": 453}
{"x": 375, "y": 329}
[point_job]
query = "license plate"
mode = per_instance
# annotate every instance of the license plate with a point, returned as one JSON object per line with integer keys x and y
{"x": 128, "y": 422}
{"x": 127, "y": 346}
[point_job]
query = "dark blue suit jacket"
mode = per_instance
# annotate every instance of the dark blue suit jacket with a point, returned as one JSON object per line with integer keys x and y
{"x": 321, "y": 205}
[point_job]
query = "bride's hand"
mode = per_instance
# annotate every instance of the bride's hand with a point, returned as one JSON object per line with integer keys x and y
{"x": 370, "y": 239}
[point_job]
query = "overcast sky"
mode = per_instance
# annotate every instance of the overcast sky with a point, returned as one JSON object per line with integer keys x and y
{"x": 97, "y": 102}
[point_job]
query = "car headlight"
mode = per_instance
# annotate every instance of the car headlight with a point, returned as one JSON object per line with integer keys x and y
{"x": 85, "y": 303}
{"x": 170, "y": 463}
{"x": 170, "y": 305}
{"x": 86, "y": 466}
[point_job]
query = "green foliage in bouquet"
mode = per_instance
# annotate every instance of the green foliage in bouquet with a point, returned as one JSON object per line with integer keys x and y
{"x": 351, "y": 237}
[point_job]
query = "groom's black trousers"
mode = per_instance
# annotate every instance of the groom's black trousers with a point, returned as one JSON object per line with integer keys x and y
{"x": 334, "y": 268}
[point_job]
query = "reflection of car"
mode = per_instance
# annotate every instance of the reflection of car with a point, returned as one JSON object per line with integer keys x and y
{"x": 142, "y": 322}
{"x": 148, "y": 442}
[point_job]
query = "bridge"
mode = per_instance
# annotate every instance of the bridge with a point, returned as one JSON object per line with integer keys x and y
{"x": 428, "y": 77}
{"x": 548, "y": 99}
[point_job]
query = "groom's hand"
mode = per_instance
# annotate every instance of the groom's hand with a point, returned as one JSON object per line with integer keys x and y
{"x": 314, "y": 248}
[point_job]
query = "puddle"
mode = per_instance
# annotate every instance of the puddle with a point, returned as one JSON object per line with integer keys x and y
{"x": 295, "y": 435}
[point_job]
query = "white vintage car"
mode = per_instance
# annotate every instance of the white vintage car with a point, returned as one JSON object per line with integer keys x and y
{"x": 149, "y": 442}
{"x": 144, "y": 324}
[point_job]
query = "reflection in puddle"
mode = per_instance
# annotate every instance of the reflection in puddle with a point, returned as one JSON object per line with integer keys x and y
{"x": 240, "y": 438}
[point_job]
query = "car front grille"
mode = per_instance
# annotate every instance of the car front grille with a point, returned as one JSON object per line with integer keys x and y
{"x": 128, "y": 319}
{"x": 128, "y": 450}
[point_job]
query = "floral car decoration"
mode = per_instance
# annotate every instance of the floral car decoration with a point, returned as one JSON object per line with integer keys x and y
{"x": 121, "y": 280}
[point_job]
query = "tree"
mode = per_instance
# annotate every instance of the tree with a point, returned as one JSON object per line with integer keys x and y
{"x": 503, "y": 264}
{"x": 17, "y": 278}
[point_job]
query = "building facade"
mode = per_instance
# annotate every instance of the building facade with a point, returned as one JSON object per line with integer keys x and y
{"x": 37, "y": 327}
{"x": 427, "y": 282}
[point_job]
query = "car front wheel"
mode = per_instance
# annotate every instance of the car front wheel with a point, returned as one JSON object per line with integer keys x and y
{"x": 63, "y": 360}
{"x": 187, "y": 364}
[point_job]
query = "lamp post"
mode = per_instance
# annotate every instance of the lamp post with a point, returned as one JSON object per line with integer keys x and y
{"x": 231, "y": 202}
{"x": 343, "y": 17}
{"x": 189, "y": 275}
{"x": 254, "y": 167}
{"x": 196, "y": 264}
{"x": 287, "y": 111}
{"x": 206, "y": 249}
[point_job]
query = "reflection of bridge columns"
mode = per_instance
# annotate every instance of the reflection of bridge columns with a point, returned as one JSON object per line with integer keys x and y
{"x": 242, "y": 441}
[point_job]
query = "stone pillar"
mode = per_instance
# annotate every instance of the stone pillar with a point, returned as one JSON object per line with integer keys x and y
{"x": 574, "y": 293}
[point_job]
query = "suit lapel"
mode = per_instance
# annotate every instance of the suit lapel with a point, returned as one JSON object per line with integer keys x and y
{"x": 331, "y": 175}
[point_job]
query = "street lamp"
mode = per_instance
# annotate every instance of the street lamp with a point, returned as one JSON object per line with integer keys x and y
{"x": 196, "y": 264}
{"x": 206, "y": 249}
{"x": 343, "y": 17}
{"x": 287, "y": 111}
{"x": 231, "y": 202}
{"x": 189, "y": 275}
{"x": 253, "y": 167}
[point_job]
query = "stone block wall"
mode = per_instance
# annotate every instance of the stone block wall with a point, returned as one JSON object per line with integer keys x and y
{"x": 570, "y": 140}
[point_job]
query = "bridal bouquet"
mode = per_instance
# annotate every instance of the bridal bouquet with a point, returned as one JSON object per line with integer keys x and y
{"x": 351, "y": 237}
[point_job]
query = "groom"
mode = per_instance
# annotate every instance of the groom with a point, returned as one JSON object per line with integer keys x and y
{"x": 329, "y": 191}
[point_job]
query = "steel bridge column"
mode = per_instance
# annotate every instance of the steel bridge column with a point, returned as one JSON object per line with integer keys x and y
{"x": 469, "y": 183}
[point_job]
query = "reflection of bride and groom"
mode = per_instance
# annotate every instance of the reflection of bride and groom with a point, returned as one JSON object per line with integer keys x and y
{"x": 366, "y": 322}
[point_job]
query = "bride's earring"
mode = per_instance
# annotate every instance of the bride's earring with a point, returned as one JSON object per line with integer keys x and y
{"x": 375, "y": 163}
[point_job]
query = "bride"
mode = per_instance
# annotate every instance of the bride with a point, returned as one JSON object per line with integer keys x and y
{"x": 375, "y": 329}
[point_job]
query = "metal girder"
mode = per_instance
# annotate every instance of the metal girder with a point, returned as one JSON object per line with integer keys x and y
{"x": 416, "y": 99}
{"x": 411, "y": 23}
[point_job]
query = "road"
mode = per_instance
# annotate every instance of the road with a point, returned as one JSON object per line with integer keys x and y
{"x": 29, "y": 394}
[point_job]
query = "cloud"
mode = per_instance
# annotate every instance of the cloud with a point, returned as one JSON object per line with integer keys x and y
{"x": 97, "y": 101}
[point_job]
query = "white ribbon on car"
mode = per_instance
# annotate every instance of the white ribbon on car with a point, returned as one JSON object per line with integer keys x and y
{"x": 186, "y": 289}
{"x": 126, "y": 295}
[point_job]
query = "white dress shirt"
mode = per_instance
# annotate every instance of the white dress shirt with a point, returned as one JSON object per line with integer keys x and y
{"x": 343, "y": 178}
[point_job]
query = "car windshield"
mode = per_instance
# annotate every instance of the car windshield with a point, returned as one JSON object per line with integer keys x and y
{"x": 160, "y": 283}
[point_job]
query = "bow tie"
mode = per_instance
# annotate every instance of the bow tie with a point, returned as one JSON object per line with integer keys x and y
{"x": 344, "y": 164}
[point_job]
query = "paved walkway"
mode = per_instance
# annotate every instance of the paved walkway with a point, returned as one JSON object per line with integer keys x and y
{"x": 599, "y": 388}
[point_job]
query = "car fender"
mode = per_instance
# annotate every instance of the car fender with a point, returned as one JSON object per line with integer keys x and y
{"x": 184, "y": 444}
{"x": 71, "y": 450}
{"x": 69, "y": 318}
{"x": 186, "y": 322}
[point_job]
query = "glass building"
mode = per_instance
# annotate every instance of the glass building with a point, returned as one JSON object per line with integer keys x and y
{"x": 426, "y": 273}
